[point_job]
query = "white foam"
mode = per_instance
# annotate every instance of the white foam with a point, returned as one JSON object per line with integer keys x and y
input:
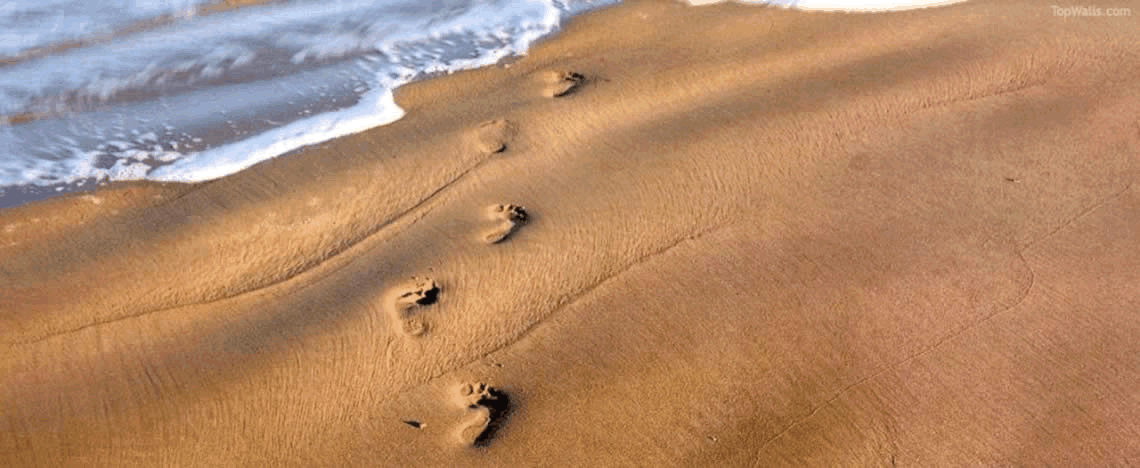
{"x": 233, "y": 89}
{"x": 377, "y": 108}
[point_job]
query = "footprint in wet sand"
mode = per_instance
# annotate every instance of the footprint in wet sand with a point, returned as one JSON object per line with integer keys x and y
{"x": 491, "y": 136}
{"x": 507, "y": 218}
{"x": 560, "y": 82}
{"x": 404, "y": 306}
{"x": 471, "y": 394}
{"x": 474, "y": 425}
{"x": 486, "y": 409}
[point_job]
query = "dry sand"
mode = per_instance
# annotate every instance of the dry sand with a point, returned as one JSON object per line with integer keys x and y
{"x": 740, "y": 236}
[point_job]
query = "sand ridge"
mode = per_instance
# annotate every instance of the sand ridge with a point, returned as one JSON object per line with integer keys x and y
{"x": 846, "y": 247}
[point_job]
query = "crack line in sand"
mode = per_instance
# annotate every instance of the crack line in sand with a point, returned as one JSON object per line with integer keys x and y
{"x": 921, "y": 352}
{"x": 303, "y": 269}
{"x": 977, "y": 97}
{"x": 566, "y": 301}
{"x": 1079, "y": 216}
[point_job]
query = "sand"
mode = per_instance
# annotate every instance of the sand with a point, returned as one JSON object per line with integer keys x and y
{"x": 723, "y": 235}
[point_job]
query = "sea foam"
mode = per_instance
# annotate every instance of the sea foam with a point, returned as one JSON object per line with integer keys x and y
{"x": 207, "y": 96}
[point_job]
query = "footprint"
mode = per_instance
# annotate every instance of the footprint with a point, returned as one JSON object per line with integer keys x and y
{"x": 491, "y": 136}
{"x": 476, "y": 423}
{"x": 507, "y": 218}
{"x": 560, "y": 83}
{"x": 486, "y": 409}
{"x": 407, "y": 301}
{"x": 472, "y": 394}
{"x": 421, "y": 291}
{"x": 413, "y": 326}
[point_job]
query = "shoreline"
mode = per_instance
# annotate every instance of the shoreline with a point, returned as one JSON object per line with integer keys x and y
{"x": 19, "y": 195}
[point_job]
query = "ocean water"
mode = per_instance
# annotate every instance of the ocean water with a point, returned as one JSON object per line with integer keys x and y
{"x": 184, "y": 90}
{"x": 168, "y": 90}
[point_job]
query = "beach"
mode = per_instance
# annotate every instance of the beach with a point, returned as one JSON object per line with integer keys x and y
{"x": 668, "y": 235}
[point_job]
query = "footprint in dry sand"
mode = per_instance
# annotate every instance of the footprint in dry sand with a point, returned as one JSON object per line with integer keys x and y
{"x": 560, "y": 82}
{"x": 406, "y": 301}
{"x": 507, "y": 219}
{"x": 486, "y": 408}
{"x": 491, "y": 136}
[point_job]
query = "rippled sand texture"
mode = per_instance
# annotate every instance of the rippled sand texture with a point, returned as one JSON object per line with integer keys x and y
{"x": 671, "y": 236}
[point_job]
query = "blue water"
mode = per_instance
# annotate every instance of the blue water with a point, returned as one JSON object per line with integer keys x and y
{"x": 193, "y": 97}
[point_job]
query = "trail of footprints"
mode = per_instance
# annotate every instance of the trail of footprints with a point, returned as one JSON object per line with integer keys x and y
{"x": 409, "y": 303}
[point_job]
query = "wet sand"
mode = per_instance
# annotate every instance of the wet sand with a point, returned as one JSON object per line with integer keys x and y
{"x": 670, "y": 236}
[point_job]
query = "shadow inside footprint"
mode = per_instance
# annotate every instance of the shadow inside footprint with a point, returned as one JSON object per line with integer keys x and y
{"x": 508, "y": 218}
{"x": 491, "y": 136}
{"x": 423, "y": 291}
{"x": 499, "y": 406}
{"x": 562, "y": 83}
{"x": 403, "y": 308}
{"x": 508, "y": 212}
{"x": 427, "y": 296}
{"x": 486, "y": 408}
